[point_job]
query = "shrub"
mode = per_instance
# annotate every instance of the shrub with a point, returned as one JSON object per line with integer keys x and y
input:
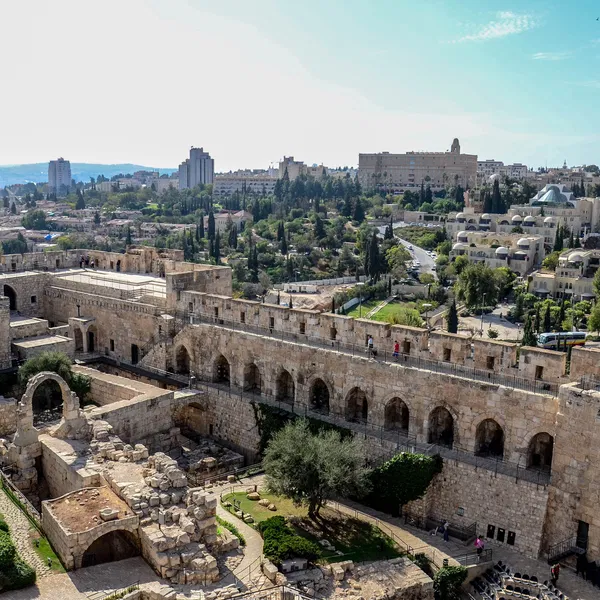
{"x": 447, "y": 582}
{"x": 281, "y": 542}
{"x": 231, "y": 527}
{"x": 4, "y": 525}
{"x": 18, "y": 576}
{"x": 7, "y": 551}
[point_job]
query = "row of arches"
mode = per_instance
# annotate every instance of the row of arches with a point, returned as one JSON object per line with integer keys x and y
{"x": 441, "y": 425}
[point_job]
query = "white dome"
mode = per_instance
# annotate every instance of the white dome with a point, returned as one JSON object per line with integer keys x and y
{"x": 523, "y": 242}
{"x": 502, "y": 250}
{"x": 460, "y": 216}
{"x": 549, "y": 220}
{"x": 493, "y": 177}
{"x": 486, "y": 216}
{"x": 529, "y": 219}
{"x": 520, "y": 253}
{"x": 575, "y": 257}
{"x": 459, "y": 246}
{"x": 461, "y": 234}
{"x": 517, "y": 219}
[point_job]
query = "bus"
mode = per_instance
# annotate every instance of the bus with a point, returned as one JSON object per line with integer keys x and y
{"x": 561, "y": 340}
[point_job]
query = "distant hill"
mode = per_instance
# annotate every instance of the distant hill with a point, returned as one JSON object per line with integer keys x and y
{"x": 38, "y": 172}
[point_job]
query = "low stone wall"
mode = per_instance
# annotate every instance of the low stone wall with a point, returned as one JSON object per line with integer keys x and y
{"x": 8, "y": 415}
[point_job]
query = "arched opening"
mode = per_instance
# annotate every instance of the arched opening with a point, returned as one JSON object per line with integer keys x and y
{"x": 221, "y": 370}
{"x": 396, "y": 415}
{"x": 357, "y": 406}
{"x": 182, "y": 361}
{"x": 12, "y": 296}
{"x": 441, "y": 427}
{"x": 489, "y": 439}
{"x": 252, "y": 380}
{"x": 319, "y": 396}
{"x": 47, "y": 403}
{"x": 112, "y": 546}
{"x": 285, "y": 387}
{"x": 91, "y": 339}
{"x": 78, "y": 340}
{"x": 539, "y": 453}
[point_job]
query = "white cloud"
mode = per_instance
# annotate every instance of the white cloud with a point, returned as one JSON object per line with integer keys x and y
{"x": 506, "y": 23}
{"x": 551, "y": 55}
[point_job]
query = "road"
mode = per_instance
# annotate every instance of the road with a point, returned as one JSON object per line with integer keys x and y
{"x": 427, "y": 263}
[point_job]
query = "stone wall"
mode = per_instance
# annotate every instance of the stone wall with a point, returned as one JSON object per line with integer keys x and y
{"x": 8, "y": 415}
{"x": 28, "y": 290}
{"x": 585, "y": 362}
{"x": 5, "y": 358}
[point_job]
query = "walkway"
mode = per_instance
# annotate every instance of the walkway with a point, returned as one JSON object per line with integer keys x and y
{"x": 379, "y": 307}
{"x": 20, "y": 534}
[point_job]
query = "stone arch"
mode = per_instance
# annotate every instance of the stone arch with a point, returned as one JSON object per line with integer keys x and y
{"x": 78, "y": 336}
{"x": 489, "y": 439}
{"x": 396, "y": 415}
{"x": 112, "y": 546}
{"x": 540, "y": 451}
{"x": 441, "y": 427}
{"x": 221, "y": 370}
{"x": 357, "y": 405}
{"x": 72, "y": 419}
{"x": 319, "y": 396}
{"x": 284, "y": 387}
{"x": 182, "y": 360}
{"x": 252, "y": 379}
{"x": 11, "y": 294}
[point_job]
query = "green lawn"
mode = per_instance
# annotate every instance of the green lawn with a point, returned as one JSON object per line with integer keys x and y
{"x": 355, "y": 539}
{"x": 366, "y": 307}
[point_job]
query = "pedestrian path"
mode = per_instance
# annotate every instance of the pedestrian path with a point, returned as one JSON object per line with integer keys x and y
{"x": 379, "y": 307}
{"x": 19, "y": 533}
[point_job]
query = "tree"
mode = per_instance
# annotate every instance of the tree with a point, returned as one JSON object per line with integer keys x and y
{"x": 447, "y": 583}
{"x": 128, "y": 240}
{"x": 319, "y": 228}
{"x": 476, "y": 284}
{"x": 284, "y": 246}
{"x": 373, "y": 261}
{"x": 291, "y": 303}
{"x": 596, "y": 284}
{"x": 594, "y": 319}
{"x": 211, "y": 225}
{"x": 537, "y": 320}
{"x": 201, "y": 227}
{"x": 311, "y": 469}
{"x": 452, "y": 318}
{"x": 528, "y": 335}
{"x": 358, "y": 213}
{"x": 96, "y": 218}
{"x": 547, "y": 320}
{"x": 498, "y": 206}
{"x": 13, "y": 209}
{"x": 80, "y": 204}
{"x": 558, "y": 239}
{"x": 217, "y": 249}
{"x": 460, "y": 263}
{"x": 35, "y": 219}
{"x": 551, "y": 261}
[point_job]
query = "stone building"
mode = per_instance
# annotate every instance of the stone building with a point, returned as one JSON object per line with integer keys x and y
{"x": 518, "y": 428}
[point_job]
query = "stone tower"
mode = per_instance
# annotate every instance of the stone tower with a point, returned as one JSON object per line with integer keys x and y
{"x": 455, "y": 149}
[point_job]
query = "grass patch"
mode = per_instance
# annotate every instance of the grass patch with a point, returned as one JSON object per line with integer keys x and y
{"x": 355, "y": 539}
{"x": 366, "y": 307}
{"x": 231, "y": 527}
{"x": 45, "y": 551}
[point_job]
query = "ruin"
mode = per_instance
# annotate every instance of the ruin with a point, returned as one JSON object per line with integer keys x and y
{"x": 518, "y": 428}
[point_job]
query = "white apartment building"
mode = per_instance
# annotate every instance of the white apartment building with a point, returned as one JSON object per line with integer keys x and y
{"x": 397, "y": 173}
{"x": 59, "y": 176}
{"x": 198, "y": 169}
{"x": 487, "y": 168}
{"x": 224, "y": 217}
{"x": 573, "y": 277}
{"x": 244, "y": 181}
{"x": 296, "y": 167}
{"x": 519, "y": 253}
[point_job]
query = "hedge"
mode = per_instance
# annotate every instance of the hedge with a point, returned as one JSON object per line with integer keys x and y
{"x": 281, "y": 542}
{"x": 4, "y": 525}
{"x": 447, "y": 582}
{"x": 14, "y": 572}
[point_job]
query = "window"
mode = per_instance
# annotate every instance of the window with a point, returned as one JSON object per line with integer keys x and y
{"x": 33, "y": 299}
{"x": 447, "y": 354}
{"x": 405, "y": 347}
{"x": 216, "y": 309}
{"x": 490, "y": 361}
{"x": 112, "y": 345}
{"x": 332, "y": 333}
{"x": 539, "y": 372}
{"x": 190, "y": 306}
{"x": 271, "y": 322}
{"x": 302, "y": 327}
{"x": 243, "y": 317}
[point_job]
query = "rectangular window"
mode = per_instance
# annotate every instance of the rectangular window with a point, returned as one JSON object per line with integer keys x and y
{"x": 490, "y": 361}
{"x": 332, "y": 333}
{"x": 271, "y": 322}
{"x": 33, "y": 299}
{"x": 539, "y": 372}
{"x": 190, "y": 306}
{"x": 405, "y": 347}
{"x": 303, "y": 328}
{"x": 447, "y": 354}
{"x": 112, "y": 345}
{"x": 216, "y": 309}
{"x": 243, "y": 317}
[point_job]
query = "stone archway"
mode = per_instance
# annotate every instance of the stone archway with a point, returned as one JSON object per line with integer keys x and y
{"x": 319, "y": 396}
{"x": 441, "y": 427}
{"x": 92, "y": 338}
{"x": 110, "y": 547}
{"x": 540, "y": 451}
{"x": 489, "y": 439}
{"x": 10, "y": 293}
{"x": 252, "y": 379}
{"x": 357, "y": 406}
{"x": 182, "y": 361}
{"x": 285, "y": 389}
{"x": 221, "y": 370}
{"x": 396, "y": 415}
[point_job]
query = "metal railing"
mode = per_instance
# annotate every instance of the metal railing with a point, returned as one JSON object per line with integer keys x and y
{"x": 472, "y": 558}
{"x": 386, "y": 356}
{"x": 587, "y": 382}
{"x": 465, "y": 533}
{"x": 564, "y": 548}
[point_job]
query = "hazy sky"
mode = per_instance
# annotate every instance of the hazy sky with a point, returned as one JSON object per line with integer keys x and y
{"x": 143, "y": 80}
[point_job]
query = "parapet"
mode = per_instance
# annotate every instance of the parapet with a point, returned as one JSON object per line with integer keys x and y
{"x": 541, "y": 364}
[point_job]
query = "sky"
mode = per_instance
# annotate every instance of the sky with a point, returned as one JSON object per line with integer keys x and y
{"x": 141, "y": 81}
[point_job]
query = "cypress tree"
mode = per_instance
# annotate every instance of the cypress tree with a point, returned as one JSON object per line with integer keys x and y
{"x": 291, "y": 304}
{"x": 547, "y": 320}
{"x": 374, "y": 261}
{"x": 333, "y": 305}
{"x": 128, "y": 241}
{"x": 571, "y": 242}
{"x": 358, "y": 213}
{"x": 558, "y": 240}
{"x": 487, "y": 202}
{"x": 452, "y": 318}
{"x": 561, "y": 315}
{"x": 284, "y": 246}
{"x": 211, "y": 225}
{"x": 528, "y": 335}
{"x": 577, "y": 243}
{"x": 217, "y": 248}
{"x": 428, "y": 194}
{"x": 536, "y": 322}
{"x": 278, "y": 297}
{"x": 201, "y": 230}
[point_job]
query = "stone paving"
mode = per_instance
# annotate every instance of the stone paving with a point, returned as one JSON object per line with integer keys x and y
{"x": 19, "y": 532}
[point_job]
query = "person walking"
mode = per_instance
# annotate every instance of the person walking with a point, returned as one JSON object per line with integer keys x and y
{"x": 446, "y": 531}
{"x": 396, "y": 350}
{"x": 479, "y": 545}
{"x": 370, "y": 346}
{"x": 581, "y": 565}
{"x": 554, "y": 574}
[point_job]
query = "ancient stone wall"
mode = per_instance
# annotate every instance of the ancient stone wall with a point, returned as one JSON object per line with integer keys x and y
{"x": 585, "y": 362}
{"x": 27, "y": 291}
{"x": 5, "y": 332}
{"x": 538, "y": 363}
{"x": 8, "y": 415}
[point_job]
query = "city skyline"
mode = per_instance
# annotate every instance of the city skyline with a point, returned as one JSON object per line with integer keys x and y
{"x": 511, "y": 81}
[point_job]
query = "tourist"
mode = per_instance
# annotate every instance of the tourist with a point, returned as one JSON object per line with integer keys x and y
{"x": 92, "y": 263}
{"x": 446, "y": 531}
{"x": 554, "y": 573}
{"x": 581, "y": 565}
{"x": 396, "y": 350}
{"x": 480, "y": 546}
{"x": 370, "y": 346}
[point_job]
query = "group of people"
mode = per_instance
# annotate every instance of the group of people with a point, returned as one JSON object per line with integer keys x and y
{"x": 85, "y": 261}
{"x": 371, "y": 348}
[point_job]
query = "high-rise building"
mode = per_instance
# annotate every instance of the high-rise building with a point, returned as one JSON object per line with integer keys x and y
{"x": 59, "y": 176}
{"x": 401, "y": 172}
{"x": 198, "y": 169}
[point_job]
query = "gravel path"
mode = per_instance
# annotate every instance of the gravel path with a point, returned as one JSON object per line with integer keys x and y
{"x": 19, "y": 533}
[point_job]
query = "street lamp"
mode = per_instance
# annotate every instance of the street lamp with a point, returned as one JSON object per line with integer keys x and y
{"x": 482, "y": 307}
{"x": 78, "y": 309}
{"x": 427, "y": 307}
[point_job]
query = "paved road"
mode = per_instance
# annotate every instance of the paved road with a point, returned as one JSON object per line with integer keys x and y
{"x": 427, "y": 263}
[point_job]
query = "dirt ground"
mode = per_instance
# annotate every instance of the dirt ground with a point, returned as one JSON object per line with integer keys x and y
{"x": 319, "y": 301}
{"x": 81, "y": 511}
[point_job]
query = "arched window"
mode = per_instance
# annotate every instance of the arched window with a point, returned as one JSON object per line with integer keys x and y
{"x": 252, "y": 380}
{"x": 285, "y": 387}
{"x": 396, "y": 415}
{"x": 182, "y": 361}
{"x": 357, "y": 406}
{"x": 441, "y": 427}
{"x": 489, "y": 439}
{"x": 319, "y": 396}
{"x": 539, "y": 453}
{"x": 10, "y": 293}
{"x": 221, "y": 370}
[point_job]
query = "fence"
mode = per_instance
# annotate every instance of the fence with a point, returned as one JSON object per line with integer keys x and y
{"x": 446, "y": 368}
{"x": 21, "y": 501}
{"x": 331, "y": 281}
{"x": 587, "y": 382}
{"x": 465, "y": 533}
